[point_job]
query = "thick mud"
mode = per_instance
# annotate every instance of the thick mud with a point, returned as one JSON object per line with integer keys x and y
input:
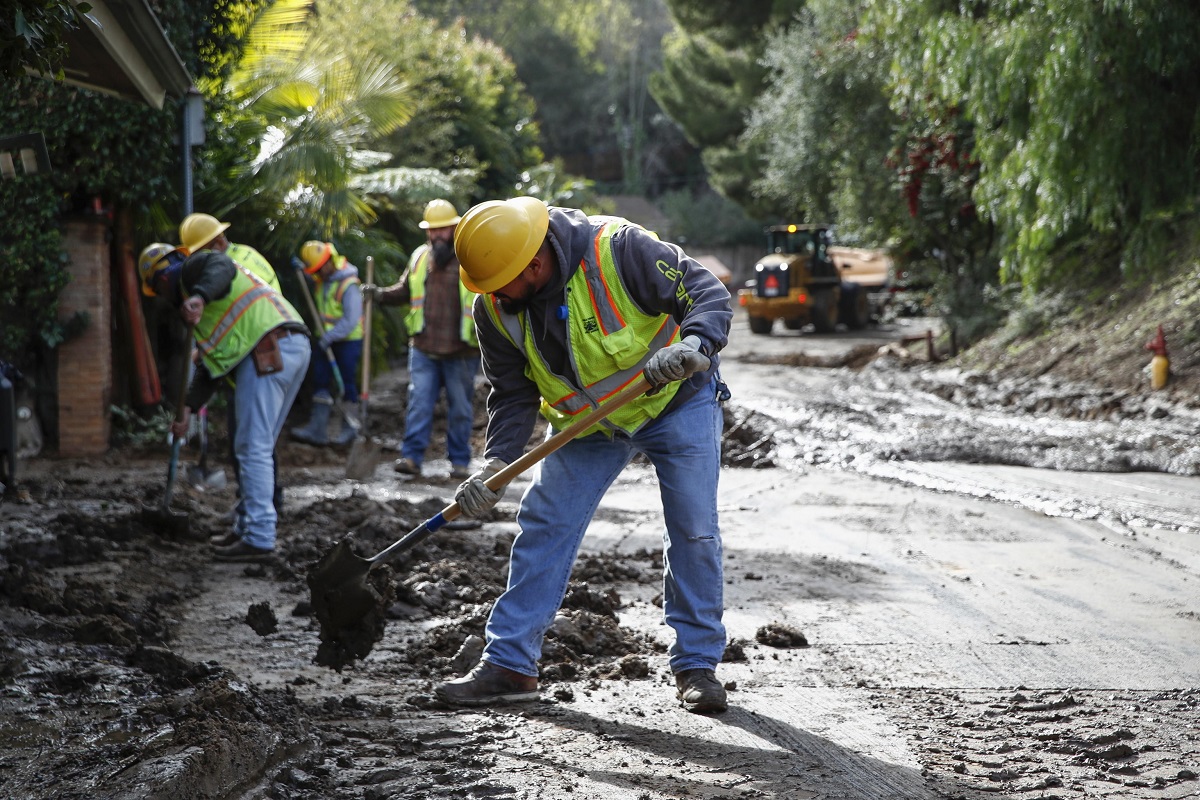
{"x": 132, "y": 666}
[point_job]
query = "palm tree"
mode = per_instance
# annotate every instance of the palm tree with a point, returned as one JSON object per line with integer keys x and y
{"x": 312, "y": 113}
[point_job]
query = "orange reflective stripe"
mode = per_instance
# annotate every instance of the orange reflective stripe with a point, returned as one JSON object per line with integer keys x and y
{"x": 237, "y": 308}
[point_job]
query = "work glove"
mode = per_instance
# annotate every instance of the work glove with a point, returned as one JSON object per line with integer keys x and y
{"x": 473, "y": 496}
{"x": 676, "y": 362}
{"x": 371, "y": 291}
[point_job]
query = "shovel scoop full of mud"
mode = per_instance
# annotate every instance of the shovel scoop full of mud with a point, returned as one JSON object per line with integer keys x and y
{"x": 350, "y": 602}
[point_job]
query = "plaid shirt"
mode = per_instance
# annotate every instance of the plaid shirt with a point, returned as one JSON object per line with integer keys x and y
{"x": 443, "y": 314}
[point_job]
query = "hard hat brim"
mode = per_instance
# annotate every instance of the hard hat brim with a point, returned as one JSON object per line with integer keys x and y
{"x": 192, "y": 247}
{"x": 539, "y": 218}
{"x": 450, "y": 223}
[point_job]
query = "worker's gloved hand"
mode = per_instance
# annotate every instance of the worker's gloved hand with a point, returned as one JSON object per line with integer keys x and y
{"x": 473, "y": 496}
{"x": 297, "y": 263}
{"x": 676, "y": 362}
{"x": 370, "y": 291}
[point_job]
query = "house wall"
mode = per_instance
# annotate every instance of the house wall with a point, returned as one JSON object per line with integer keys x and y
{"x": 85, "y": 375}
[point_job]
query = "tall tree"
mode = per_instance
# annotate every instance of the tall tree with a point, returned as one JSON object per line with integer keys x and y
{"x": 1084, "y": 113}
{"x": 711, "y": 76}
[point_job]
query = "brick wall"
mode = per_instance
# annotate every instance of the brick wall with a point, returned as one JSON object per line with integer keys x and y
{"x": 85, "y": 362}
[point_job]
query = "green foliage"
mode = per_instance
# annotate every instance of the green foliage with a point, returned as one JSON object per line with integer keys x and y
{"x": 551, "y": 184}
{"x": 130, "y": 428}
{"x": 32, "y": 35}
{"x": 1084, "y": 113}
{"x": 101, "y": 148}
{"x": 712, "y": 73}
{"x": 708, "y": 219}
{"x": 824, "y": 127}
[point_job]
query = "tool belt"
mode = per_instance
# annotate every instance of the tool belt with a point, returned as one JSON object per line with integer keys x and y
{"x": 267, "y": 358}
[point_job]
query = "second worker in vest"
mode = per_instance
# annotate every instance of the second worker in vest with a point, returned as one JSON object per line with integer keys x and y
{"x": 444, "y": 353}
{"x": 205, "y": 232}
{"x": 572, "y": 309}
{"x": 246, "y": 330}
{"x": 339, "y": 302}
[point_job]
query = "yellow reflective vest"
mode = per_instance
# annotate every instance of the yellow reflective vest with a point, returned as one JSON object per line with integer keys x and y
{"x": 229, "y": 328}
{"x": 414, "y": 321}
{"x": 611, "y": 340}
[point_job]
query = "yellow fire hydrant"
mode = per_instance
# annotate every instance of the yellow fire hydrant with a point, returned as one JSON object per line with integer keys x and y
{"x": 1160, "y": 366}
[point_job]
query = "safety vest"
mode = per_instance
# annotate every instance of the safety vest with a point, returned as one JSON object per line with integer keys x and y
{"x": 229, "y": 328}
{"x": 418, "y": 270}
{"x": 610, "y": 341}
{"x": 329, "y": 306}
{"x": 253, "y": 260}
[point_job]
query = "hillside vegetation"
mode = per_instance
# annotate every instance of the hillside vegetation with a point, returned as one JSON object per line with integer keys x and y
{"x": 1097, "y": 333}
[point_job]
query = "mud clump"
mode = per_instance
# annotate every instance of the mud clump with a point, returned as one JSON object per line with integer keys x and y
{"x": 777, "y": 634}
{"x": 261, "y": 618}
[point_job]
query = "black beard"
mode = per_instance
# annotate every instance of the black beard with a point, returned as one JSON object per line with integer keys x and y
{"x": 442, "y": 251}
{"x": 515, "y": 307}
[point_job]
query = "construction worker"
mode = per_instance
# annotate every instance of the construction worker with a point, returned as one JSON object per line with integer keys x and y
{"x": 339, "y": 303}
{"x": 205, "y": 232}
{"x": 444, "y": 352}
{"x": 572, "y": 309}
{"x": 247, "y": 331}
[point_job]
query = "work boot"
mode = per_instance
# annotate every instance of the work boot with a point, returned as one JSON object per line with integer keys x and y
{"x": 348, "y": 431}
{"x": 700, "y": 692}
{"x": 406, "y": 466}
{"x": 316, "y": 430}
{"x": 241, "y": 550}
{"x": 488, "y": 684}
{"x": 460, "y": 472}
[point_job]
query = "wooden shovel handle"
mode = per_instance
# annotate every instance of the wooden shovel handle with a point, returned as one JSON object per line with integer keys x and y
{"x": 635, "y": 390}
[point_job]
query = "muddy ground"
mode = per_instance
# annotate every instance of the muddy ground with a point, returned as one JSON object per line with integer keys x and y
{"x": 936, "y": 587}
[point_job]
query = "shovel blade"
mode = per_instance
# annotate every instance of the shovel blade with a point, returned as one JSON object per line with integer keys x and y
{"x": 348, "y": 604}
{"x": 364, "y": 458}
{"x": 165, "y": 521}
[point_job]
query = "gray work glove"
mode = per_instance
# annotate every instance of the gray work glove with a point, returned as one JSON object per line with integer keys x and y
{"x": 473, "y": 496}
{"x": 371, "y": 290}
{"x": 676, "y": 362}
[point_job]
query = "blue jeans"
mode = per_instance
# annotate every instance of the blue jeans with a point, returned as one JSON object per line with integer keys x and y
{"x": 263, "y": 402}
{"x": 347, "y": 356}
{"x": 685, "y": 448}
{"x": 426, "y": 378}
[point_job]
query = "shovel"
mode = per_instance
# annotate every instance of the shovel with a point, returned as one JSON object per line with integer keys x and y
{"x": 200, "y": 476}
{"x": 337, "y": 374}
{"x": 349, "y": 609}
{"x": 161, "y": 516}
{"x": 364, "y": 453}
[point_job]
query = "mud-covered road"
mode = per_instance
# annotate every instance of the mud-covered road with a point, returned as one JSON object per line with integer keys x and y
{"x": 938, "y": 585}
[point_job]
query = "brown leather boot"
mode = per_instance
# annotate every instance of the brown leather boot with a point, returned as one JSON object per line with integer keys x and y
{"x": 700, "y": 692}
{"x": 488, "y": 684}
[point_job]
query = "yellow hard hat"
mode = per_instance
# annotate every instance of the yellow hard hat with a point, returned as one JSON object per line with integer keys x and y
{"x": 197, "y": 230}
{"x": 152, "y": 261}
{"x": 439, "y": 214}
{"x": 497, "y": 239}
{"x": 314, "y": 254}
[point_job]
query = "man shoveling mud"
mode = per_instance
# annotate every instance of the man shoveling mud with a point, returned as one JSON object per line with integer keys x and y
{"x": 572, "y": 309}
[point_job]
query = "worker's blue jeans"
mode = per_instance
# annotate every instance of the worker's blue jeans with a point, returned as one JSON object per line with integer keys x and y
{"x": 427, "y": 376}
{"x": 685, "y": 448}
{"x": 263, "y": 403}
{"x": 347, "y": 355}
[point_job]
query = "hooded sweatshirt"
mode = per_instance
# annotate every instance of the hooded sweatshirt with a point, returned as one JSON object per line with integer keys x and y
{"x": 658, "y": 276}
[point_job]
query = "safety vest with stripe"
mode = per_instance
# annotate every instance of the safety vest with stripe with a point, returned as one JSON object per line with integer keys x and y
{"x": 253, "y": 260}
{"x": 229, "y": 328}
{"x": 329, "y": 306}
{"x": 418, "y": 269}
{"x": 610, "y": 341}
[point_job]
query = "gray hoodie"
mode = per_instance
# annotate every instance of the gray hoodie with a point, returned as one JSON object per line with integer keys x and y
{"x": 659, "y": 277}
